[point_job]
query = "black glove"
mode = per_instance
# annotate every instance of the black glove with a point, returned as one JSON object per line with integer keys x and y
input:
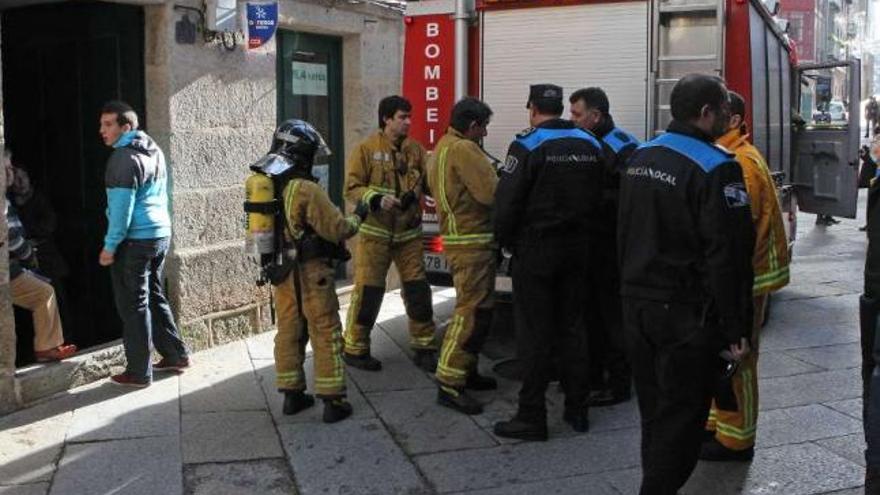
{"x": 376, "y": 202}
{"x": 407, "y": 200}
{"x": 361, "y": 210}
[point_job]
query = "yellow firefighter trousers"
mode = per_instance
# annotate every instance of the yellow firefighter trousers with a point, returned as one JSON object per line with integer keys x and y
{"x": 736, "y": 429}
{"x": 372, "y": 261}
{"x": 473, "y": 275}
{"x": 320, "y": 307}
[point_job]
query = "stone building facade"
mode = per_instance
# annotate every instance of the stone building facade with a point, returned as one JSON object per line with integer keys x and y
{"x": 213, "y": 111}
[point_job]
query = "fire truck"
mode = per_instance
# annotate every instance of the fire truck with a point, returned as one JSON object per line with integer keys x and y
{"x": 636, "y": 51}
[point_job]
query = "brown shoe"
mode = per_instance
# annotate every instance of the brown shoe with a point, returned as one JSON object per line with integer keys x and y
{"x": 55, "y": 354}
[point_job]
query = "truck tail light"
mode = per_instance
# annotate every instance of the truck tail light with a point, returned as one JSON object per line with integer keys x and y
{"x": 434, "y": 244}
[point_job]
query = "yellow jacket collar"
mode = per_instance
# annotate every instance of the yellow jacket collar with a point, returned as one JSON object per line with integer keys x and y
{"x": 733, "y": 139}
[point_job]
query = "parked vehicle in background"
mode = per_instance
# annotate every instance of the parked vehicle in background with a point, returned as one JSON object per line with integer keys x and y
{"x": 812, "y": 152}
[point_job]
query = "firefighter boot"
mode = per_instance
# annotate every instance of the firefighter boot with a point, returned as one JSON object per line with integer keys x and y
{"x": 336, "y": 410}
{"x": 579, "y": 420}
{"x": 713, "y": 450}
{"x": 476, "y": 381}
{"x": 458, "y": 400}
{"x": 522, "y": 428}
{"x": 426, "y": 359}
{"x": 296, "y": 401}
{"x": 364, "y": 362}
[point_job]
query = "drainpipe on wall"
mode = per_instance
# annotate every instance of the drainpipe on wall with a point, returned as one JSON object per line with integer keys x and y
{"x": 462, "y": 17}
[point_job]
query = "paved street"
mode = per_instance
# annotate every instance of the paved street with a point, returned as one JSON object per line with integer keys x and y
{"x": 218, "y": 428}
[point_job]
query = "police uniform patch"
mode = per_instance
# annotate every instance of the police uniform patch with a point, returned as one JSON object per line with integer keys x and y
{"x": 736, "y": 195}
{"x": 510, "y": 164}
{"x": 525, "y": 132}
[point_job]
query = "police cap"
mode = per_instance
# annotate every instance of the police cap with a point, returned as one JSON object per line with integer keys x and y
{"x": 545, "y": 92}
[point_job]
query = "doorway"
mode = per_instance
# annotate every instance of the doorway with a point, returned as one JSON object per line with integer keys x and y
{"x": 61, "y": 62}
{"x": 310, "y": 89}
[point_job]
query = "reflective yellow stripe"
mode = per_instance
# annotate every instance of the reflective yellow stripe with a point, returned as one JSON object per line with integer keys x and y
{"x": 444, "y": 202}
{"x": 464, "y": 239}
{"x": 353, "y": 309}
{"x": 734, "y": 432}
{"x": 449, "y": 390}
{"x": 772, "y": 279}
{"x": 408, "y": 235}
{"x": 288, "y": 207}
{"x": 452, "y": 371}
{"x": 449, "y": 341}
{"x": 354, "y": 221}
{"x": 382, "y": 190}
{"x": 288, "y": 374}
{"x": 374, "y": 231}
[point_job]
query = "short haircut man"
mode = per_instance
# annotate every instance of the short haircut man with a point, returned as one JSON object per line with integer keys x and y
{"x": 467, "y": 111}
{"x": 390, "y": 105}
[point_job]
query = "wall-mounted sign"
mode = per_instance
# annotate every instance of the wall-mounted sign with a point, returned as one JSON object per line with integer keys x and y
{"x": 429, "y": 75}
{"x": 309, "y": 79}
{"x": 262, "y": 19}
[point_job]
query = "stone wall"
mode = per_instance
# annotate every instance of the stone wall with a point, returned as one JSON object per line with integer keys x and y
{"x": 214, "y": 112}
{"x": 8, "y": 395}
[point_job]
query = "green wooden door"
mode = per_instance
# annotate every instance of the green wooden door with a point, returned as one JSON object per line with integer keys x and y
{"x": 310, "y": 88}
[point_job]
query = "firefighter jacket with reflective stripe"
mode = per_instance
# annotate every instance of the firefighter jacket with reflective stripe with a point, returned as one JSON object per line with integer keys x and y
{"x": 378, "y": 167}
{"x": 770, "y": 259}
{"x": 308, "y": 207}
{"x": 462, "y": 181}
{"x": 550, "y": 187}
{"x": 685, "y": 230}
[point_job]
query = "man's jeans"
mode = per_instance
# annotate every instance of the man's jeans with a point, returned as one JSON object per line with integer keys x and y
{"x": 137, "y": 271}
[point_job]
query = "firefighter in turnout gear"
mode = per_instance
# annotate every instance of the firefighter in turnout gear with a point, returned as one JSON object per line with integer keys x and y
{"x": 610, "y": 373}
{"x": 686, "y": 237}
{"x": 548, "y": 205}
{"x": 387, "y": 172}
{"x": 734, "y": 413}
{"x": 310, "y": 230}
{"x": 462, "y": 180}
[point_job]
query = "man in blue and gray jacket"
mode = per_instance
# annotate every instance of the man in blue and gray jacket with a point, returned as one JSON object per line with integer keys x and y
{"x": 136, "y": 244}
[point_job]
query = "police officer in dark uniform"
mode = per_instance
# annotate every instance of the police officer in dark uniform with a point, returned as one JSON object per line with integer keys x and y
{"x": 869, "y": 312}
{"x": 590, "y": 110}
{"x": 548, "y": 203}
{"x": 686, "y": 239}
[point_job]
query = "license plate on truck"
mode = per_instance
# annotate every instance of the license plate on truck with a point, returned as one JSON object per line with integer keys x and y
{"x": 436, "y": 263}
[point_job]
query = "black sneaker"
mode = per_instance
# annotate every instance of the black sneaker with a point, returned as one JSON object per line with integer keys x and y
{"x": 579, "y": 421}
{"x": 458, "y": 400}
{"x": 335, "y": 410}
{"x": 714, "y": 451}
{"x": 296, "y": 401}
{"x": 607, "y": 397}
{"x": 364, "y": 362}
{"x": 522, "y": 430}
{"x": 476, "y": 381}
{"x": 426, "y": 359}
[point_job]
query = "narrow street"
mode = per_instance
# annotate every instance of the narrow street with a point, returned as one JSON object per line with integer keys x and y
{"x": 218, "y": 428}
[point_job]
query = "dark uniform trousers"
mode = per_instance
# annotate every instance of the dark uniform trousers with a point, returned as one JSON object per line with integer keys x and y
{"x": 548, "y": 282}
{"x": 675, "y": 366}
{"x": 607, "y": 337}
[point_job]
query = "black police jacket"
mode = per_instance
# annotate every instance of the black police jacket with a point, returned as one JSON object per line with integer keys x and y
{"x": 685, "y": 231}
{"x": 619, "y": 146}
{"x": 550, "y": 186}
{"x": 872, "y": 259}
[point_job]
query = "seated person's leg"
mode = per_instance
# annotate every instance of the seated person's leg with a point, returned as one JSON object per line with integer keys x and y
{"x": 31, "y": 293}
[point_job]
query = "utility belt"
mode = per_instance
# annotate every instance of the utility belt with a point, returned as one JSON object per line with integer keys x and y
{"x": 310, "y": 247}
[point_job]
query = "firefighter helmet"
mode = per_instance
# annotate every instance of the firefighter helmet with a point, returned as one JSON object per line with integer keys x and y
{"x": 300, "y": 142}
